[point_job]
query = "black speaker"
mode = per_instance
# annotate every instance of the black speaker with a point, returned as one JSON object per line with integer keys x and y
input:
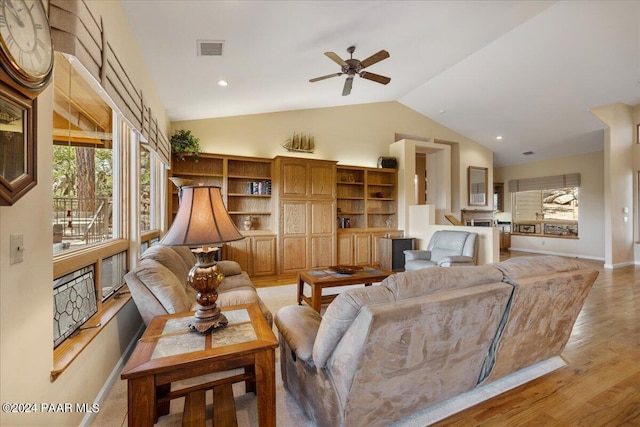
{"x": 387, "y": 162}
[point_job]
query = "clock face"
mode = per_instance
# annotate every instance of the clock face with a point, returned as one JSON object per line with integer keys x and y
{"x": 25, "y": 41}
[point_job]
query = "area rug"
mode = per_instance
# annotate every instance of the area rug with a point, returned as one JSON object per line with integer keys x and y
{"x": 113, "y": 410}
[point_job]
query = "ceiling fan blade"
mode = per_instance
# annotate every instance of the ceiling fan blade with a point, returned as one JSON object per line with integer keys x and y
{"x": 375, "y": 77}
{"x": 347, "y": 86}
{"x": 376, "y": 57}
{"x": 335, "y": 58}
{"x": 328, "y": 76}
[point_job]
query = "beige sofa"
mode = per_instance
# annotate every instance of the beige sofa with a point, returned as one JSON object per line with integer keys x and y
{"x": 158, "y": 284}
{"x": 383, "y": 352}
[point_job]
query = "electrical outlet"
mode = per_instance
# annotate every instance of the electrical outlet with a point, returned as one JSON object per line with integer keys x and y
{"x": 16, "y": 248}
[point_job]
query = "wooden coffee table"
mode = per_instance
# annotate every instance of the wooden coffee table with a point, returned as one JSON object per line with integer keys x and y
{"x": 168, "y": 352}
{"x": 322, "y": 278}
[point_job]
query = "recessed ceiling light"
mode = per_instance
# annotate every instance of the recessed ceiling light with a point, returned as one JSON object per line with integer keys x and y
{"x": 223, "y": 83}
{"x": 498, "y": 137}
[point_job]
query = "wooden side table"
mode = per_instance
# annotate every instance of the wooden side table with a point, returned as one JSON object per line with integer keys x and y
{"x": 168, "y": 352}
{"x": 391, "y": 252}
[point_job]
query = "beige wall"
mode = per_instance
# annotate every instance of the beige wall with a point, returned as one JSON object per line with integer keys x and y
{"x": 26, "y": 301}
{"x": 124, "y": 44}
{"x": 353, "y": 135}
{"x": 592, "y": 211}
{"x": 619, "y": 180}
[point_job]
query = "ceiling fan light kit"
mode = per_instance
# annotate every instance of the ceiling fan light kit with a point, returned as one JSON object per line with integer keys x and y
{"x": 352, "y": 67}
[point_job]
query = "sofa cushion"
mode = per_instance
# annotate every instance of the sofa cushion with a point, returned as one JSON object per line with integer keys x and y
{"x": 429, "y": 280}
{"x": 164, "y": 285}
{"x": 185, "y": 253}
{"x": 416, "y": 254}
{"x": 235, "y": 281}
{"x": 169, "y": 258}
{"x": 229, "y": 268}
{"x": 339, "y": 316}
{"x": 298, "y": 326}
{"x": 418, "y": 264}
{"x": 522, "y": 267}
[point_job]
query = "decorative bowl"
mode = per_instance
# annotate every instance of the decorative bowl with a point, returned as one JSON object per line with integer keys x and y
{"x": 345, "y": 269}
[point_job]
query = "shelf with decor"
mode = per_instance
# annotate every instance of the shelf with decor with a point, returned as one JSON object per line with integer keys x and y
{"x": 350, "y": 197}
{"x": 381, "y": 200}
{"x": 366, "y": 198}
{"x": 249, "y": 192}
{"x": 245, "y": 183}
{"x": 206, "y": 169}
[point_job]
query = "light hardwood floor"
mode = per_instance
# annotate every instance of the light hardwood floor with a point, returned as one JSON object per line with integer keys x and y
{"x": 600, "y": 386}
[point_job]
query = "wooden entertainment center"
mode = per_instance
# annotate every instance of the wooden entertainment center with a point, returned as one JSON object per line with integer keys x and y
{"x": 303, "y": 213}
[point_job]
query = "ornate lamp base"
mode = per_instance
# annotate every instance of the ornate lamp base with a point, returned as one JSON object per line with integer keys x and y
{"x": 206, "y": 319}
{"x": 205, "y": 277}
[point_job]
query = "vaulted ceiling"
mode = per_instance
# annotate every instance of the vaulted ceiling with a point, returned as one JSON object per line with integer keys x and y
{"x": 528, "y": 71}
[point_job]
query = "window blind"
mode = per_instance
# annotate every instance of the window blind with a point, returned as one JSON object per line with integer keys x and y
{"x": 76, "y": 31}
{"x": 545, "y": 182}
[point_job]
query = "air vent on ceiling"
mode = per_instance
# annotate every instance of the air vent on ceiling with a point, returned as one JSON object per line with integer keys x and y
{"x": 528, "y": 153}
{"x": 210, "y": 47}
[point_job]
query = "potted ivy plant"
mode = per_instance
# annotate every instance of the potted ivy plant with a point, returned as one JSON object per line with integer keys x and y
{"x": 184, "y": 142}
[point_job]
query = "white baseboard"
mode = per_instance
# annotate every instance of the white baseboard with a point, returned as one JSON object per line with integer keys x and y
{"x": 619, "y": 265}
{"x": 113, "y": 376}
{"x": 534, "y": 251}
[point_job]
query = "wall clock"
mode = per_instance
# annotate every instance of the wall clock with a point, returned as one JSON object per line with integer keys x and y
{"x": 25, "y": 43}
{"x": 26, "y": 66}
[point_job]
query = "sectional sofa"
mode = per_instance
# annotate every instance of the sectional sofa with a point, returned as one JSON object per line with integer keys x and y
{"x": 383, "y": 352}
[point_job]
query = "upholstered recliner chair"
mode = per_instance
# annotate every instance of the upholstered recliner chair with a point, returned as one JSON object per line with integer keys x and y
{"x": 447, "y": 248}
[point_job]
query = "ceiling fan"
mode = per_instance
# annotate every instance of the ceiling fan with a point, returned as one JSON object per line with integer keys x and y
{"x": 351, "y": 67}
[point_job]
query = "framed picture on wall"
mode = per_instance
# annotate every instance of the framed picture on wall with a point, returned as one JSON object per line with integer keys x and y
{"x": 17, "y": 145}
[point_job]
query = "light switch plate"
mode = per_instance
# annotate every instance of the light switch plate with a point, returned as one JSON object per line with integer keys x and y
{"x": 16, "y": 248}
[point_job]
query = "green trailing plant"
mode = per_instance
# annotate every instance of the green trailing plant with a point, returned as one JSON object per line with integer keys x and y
{"x": 184, "y": 142}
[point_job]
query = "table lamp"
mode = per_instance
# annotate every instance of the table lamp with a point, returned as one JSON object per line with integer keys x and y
{"x": 202, "y": 220}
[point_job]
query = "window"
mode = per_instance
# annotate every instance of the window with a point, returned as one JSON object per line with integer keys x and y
{"x": 106, "y": 189}
{"x": 83, "y": 162}
{"x": 145, "y": 189}
{"x": 546, "y": 206}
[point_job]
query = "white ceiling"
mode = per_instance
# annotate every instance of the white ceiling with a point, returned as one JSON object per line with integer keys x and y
{"x": 529, "y": 71}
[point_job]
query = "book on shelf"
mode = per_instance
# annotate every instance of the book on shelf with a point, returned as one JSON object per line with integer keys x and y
{"x": 258, "y": 187}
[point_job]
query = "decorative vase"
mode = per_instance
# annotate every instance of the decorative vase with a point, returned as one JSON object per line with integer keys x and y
{"x": 247, "y": 223}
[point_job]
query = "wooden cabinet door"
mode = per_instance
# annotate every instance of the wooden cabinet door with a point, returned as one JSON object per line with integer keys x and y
{"x": 375, "y": 247}
{"x": 322, "y": 180}
{"x": 294, "y": 254}
{"x": 294, "y": 179}
{"x": 293, "y": 237}
{"x": 322, "y": 251}
{"x": 323, "y": 225}
{"x": 294, "y": 218}
{"x": 345, "y": 249}
{"x": 382, "y": 250}
{"x": 323, "y": 218}
{"x": 264, "y": 255}
{"x": 362, "y": 248}
{"x": 240, "y": 252}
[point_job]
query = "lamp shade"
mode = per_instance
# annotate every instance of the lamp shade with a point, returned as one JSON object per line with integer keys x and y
{"x": 202, "y": 219}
